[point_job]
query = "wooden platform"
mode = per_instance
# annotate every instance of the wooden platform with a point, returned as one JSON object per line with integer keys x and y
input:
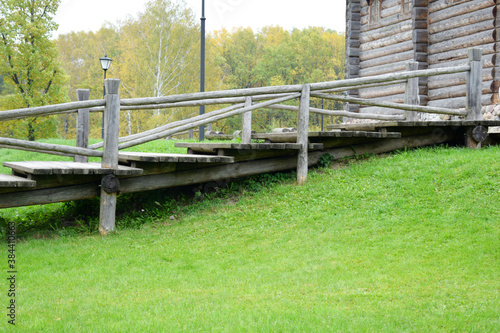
{"x": 292, "y": 136}
{"x": 15, "y": 181}
{"x": 214, "y": 147}
{"x": 391, "y": 124}
{"x": 68, "y": 168}
{"x": 172, "y": 158}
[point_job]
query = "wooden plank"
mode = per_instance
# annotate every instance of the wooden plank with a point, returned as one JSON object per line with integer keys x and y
{"x": 302, "y": 135}
{"x": 15, "y": 181}
{"x": 246, "y": 132}
{"x": 82, "y": 125}
{"x": 68, "y": 168}
{"x": 194, "y": 146}
{"x": 169, "y": 158}
{"x": 474, "y": 87}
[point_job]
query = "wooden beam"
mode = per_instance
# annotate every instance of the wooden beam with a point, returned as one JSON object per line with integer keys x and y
{"x": 246, "y": 132}
{"x": 474, "y": 85}
{"x": 110, "y": 157}
{"x": 303, "y": 135}
{"x": 82, "y": 125}
{"x": 411, "y": 92}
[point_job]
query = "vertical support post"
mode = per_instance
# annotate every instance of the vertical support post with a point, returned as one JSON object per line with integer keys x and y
{"x": 110, "y": 157}
{"x": 246, "y": 133}
{"x": 411, "y": 92}
{"x": 82, "y": 125}
{"x": 474, "y": 85}
{"x": 303, "y": 135}
{"x": 191, "y": 133}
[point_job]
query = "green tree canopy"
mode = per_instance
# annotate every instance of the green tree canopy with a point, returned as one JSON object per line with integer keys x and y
{"x": 28, "y": 60}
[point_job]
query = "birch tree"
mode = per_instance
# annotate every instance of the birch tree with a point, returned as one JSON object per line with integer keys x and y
{"x": 159, "y": 52}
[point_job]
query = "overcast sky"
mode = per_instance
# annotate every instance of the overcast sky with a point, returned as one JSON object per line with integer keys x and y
{"x": 90, "y": 15}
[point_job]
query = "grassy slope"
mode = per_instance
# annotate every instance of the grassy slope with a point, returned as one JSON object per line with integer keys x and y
{"x": 403, "y": 243}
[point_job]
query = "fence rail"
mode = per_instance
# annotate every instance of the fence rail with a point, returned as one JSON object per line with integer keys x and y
{"x": 244, "y": 102}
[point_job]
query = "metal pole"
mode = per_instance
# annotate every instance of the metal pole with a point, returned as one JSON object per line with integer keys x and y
{"x": 202, "y": 66}
{"x": 103, "y": 96}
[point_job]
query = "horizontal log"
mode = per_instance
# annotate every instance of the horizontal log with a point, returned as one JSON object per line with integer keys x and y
{"x": 383, "y": 69}
{"x": 212, "y": 95}
{"x": 374, "y": 85}
{"x": 204, "y": 122}
{"x": 49, "y": 109}
{"x": 455, "y": 33}
{"x": 382, "y": 111}
{"x": 455, "y": 79}
{"x": 462, "y": 20}
{"x": 456, "y": 54}
{"x": 38, "y": 151}
{"x": 49, "y": 148}
{"x": 386, "y": 12}
{"x": 416, "y": 108}
{"x": 391, "y": 40}
{"x": 458, "y": 102}
{"x": 383, "y": 51}
{"x": 384, "y": 23}
{"x": 387, "y": 59}
{"x": 382, "y": 91}
{"x": 438, "y": 9}
{"x": 456, "y": 91}
{"x": 389, "y": 77}
{"x": 471, "y": 40}
{"x": 488, "y": 60}
{"x": 338, "y": 113}
{"x": 384, "y": 32}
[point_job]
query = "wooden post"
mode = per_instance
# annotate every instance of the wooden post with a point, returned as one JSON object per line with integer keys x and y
{"x": 303, "y": 135}
{"x": 82, "y": 125}
{"x": 191, "y": 133}
{"x": 411, "y": 92}
{"x": 110, "y": 159}
{"x": 246, "y": 133}
{"x": 474, "y": 85}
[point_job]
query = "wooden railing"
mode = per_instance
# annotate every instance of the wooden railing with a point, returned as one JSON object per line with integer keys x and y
{"x": 243, "y": 101}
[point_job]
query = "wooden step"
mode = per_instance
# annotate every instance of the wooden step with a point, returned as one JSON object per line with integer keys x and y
{"x": 213, "y": 147}
{"x": 172, "y": 158}
{"x": 15, "y": 181}
{"x": 292, "y": 137}
{"x": 68, "y": 168}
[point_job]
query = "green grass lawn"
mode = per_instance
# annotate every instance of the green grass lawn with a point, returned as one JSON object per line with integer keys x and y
{"x": 409, "y": 242}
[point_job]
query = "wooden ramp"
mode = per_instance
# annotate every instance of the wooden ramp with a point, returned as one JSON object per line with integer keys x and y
{"x": 48, "y": 182}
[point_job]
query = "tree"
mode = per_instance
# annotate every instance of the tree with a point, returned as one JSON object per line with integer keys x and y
{"x": 159, "y": 53}
{"x": 28, "y": 59}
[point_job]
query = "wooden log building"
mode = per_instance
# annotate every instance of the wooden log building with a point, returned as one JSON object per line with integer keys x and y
{"x": 382, "y": 36}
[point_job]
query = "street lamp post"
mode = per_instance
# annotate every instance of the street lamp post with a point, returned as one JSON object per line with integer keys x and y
{"x": 202, "y": 66}
{"x": 105, "y": 63}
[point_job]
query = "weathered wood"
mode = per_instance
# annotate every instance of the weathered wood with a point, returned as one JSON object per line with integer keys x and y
{"x": 412, "y": 93}
{"x": 383, "y": 91}
{"x": 458, "y": 102}
{"x": 48, "y": 110}
{"x": 355, "y": 115}
{"x": 15, "y": 181}
{"x": 462, "y": 31}
{"x": 440, "y": 59}
{"x": 383, "y": 69}
{"x": 110, "y": 157}
{"x": 475, "y": 39}
{"x": 172, "y": 125}
{"x": 383, "y": 32}
{"x": 246, "y": 132}
{"x": 463, "y": 20}
{"x": 474, "y": 87}
{"x": 404, "y": 107}
{"x": 302, "y": 135}
{"x": 383, "y": 51}
{"x": 436, "y": 14}
{"x": 206, "y": 121}
{"x": 49, "y": 148}
{"x": 68, "y": 168}
{"x": 386, "y": 41}
{"x": 212, "y": 147}
{"x": 38, "y": 151}
{"x": 173, "y": 158}
{"x": 82, "y": 125}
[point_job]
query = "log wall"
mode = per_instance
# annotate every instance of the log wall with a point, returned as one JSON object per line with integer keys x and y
{"x": 386, "y": 45}
{"x": 435, "y": 33}
{"x": 454, "y": 26}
